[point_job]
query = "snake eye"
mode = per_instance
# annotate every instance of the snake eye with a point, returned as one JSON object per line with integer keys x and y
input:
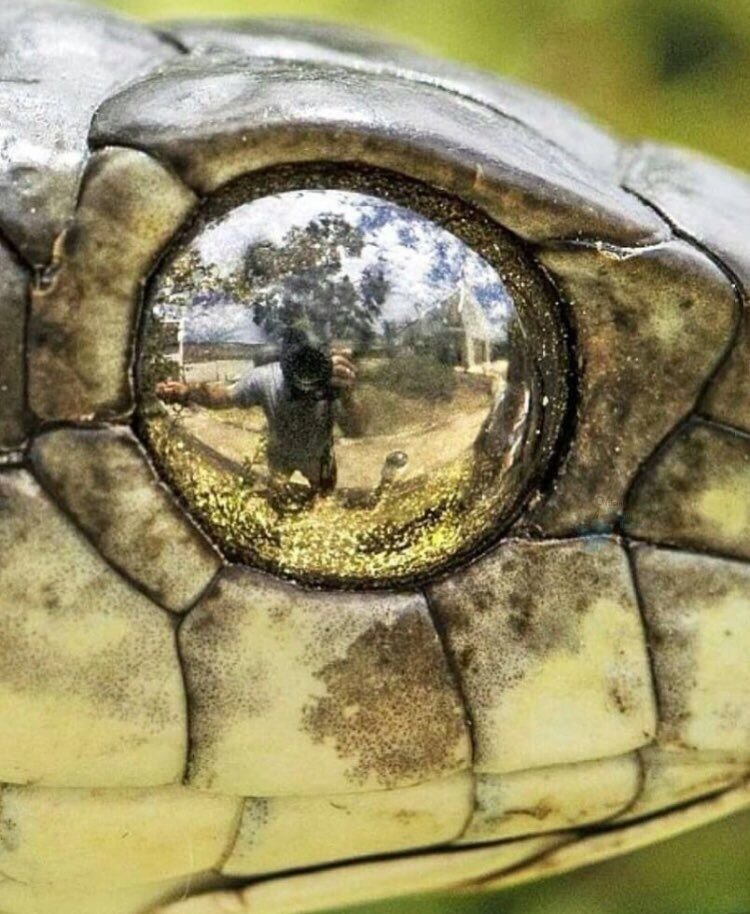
{"x": 349, "y": 378}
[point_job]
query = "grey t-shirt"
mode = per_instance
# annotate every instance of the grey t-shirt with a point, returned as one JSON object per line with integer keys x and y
{"x": 299, "y": 430}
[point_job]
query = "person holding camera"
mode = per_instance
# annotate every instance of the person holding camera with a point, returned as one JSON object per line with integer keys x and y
{"x": 303, "y": 395}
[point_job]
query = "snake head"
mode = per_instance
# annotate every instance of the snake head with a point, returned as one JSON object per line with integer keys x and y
{"x": 489, "y": 603}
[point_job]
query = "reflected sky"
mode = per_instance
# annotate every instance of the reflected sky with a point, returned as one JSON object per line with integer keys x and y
{"x": 418, "y": 263}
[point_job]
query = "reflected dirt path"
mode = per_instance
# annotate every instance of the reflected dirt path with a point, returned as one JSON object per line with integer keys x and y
{"x": 360, "y": 460}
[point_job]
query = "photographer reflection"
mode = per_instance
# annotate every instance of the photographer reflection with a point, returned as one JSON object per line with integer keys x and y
{"x": 304, "y": 395}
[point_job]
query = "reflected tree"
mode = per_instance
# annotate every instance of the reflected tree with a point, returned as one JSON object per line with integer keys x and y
{"x": 303, "y": 283}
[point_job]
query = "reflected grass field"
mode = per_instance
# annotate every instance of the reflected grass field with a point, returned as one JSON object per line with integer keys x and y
{"x": 676, "y": 70}
{"x": 437, "y": 511}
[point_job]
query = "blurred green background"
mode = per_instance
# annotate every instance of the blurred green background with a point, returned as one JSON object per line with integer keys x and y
{"x": 678, "y": 70}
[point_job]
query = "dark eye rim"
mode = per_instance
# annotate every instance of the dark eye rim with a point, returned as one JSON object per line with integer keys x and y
{"x": 541, "y": 308}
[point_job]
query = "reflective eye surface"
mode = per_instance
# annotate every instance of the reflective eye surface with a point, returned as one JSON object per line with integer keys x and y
{"x": 343, "y": 389}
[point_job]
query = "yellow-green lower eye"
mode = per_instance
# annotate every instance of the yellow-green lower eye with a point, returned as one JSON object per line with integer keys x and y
{"x": 349, "y": 387}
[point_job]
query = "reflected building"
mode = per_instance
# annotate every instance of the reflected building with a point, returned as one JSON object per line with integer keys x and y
{"x": 457, "y": 330}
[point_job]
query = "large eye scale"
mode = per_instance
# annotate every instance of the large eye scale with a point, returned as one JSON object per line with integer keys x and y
{"x": 348, "y": 378}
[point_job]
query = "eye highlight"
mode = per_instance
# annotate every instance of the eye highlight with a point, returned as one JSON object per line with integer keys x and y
{"x": 349, "y": 378}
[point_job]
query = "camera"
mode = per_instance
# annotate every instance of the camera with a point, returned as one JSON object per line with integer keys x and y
{"x": 308, "y": 369}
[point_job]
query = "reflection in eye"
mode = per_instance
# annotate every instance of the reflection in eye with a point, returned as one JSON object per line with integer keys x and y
{"x": 337, "y": 386}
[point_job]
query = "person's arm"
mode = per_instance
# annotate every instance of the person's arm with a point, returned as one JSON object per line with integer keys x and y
{"x": 351, "y": 415}
{"x": 213, "y": 395}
